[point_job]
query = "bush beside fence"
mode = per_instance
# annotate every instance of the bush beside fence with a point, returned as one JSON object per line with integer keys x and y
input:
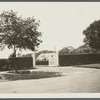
{"x": 67, "y": 60}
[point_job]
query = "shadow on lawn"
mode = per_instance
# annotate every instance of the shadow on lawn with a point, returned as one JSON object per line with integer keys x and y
{"x": 31, "y": 75}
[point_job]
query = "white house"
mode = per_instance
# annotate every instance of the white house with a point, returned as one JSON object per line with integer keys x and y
{"x": 44, "y": 56}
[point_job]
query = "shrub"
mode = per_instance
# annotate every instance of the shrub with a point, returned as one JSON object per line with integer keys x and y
{"x": 42, "y": 62}
{"x": 21, "y": 63}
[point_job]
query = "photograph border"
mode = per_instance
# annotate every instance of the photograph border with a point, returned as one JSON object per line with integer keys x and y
{"x": 74, "y": 96}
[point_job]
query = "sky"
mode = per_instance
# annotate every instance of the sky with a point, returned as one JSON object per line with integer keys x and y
{"x": 62, "y": 23}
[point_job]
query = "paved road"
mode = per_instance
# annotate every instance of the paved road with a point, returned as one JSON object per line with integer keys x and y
{"x": 87, "y": 81}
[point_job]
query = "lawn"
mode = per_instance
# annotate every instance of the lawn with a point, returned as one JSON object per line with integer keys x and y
{"x": 27, "y": 75}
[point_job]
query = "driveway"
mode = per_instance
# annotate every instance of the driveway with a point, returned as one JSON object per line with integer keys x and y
{"x": 75, "y": 80}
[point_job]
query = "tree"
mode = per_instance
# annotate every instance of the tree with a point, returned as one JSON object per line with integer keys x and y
{"x": 18, "y": 33}
{"x": 12, "y": 55}
{"x": 92, "y": 35}
{"x": 83, "y": 49}
{"x": 66, "y": 50}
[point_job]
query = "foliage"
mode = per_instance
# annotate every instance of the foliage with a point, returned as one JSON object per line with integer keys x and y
{"x": 92, "y": 35}
{"x": 4, "y": 64}
{"x": 44, "y": 51}
{"x": 21, "y": 63}
{"x": 84, "y": 49}
{"x": 66, "y": 50}
{"x": 12, "y": 55}
{"x": 17, "y": 32}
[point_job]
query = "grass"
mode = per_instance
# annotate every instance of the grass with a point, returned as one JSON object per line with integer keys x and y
{"x": 96, "y": 66}
{"x": 31, "y": 75}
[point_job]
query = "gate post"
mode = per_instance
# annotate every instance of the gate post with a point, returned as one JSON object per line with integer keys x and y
{"x": 57, "y": 58}
{"x": 54, "y": 59}
{"x": 33, "y": 56}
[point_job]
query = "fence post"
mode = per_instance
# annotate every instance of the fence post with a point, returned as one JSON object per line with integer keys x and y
{"x": 33, "y": 56}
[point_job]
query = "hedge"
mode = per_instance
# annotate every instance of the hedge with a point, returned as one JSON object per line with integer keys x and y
{"x": 20, "y": 62}
{"x": 66, "y": 60}
{"x": 4, "y": 64}
{"x": 42, "y": 62}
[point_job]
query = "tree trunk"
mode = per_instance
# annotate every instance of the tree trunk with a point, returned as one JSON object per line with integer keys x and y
{"x": 16, "y": 69}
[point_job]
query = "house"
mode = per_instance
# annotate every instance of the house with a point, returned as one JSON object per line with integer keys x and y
{"x": 45, "y": 56}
